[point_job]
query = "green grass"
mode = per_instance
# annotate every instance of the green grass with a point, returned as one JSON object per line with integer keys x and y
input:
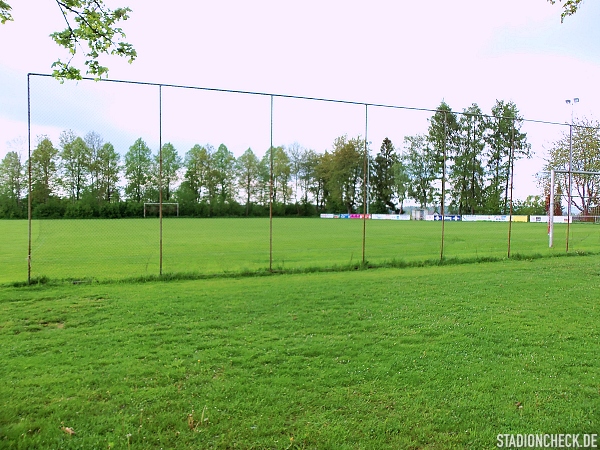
{"x": 420, "y": 358}
{"x": 117, "y": 249}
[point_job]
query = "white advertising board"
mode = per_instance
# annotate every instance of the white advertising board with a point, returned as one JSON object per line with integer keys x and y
{"x": 390, "y": 217}
{"x": 544, "y": 219}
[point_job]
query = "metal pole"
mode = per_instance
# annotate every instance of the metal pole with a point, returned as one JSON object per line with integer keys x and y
{"x": 271, "y": 194}
{"x": 551, "y": 212}
{"x": 29, "y": 179}
{"x": 160, "y": 178}
{"x": 512, "y": 174}
{"x": 570, "y": 177}
{"x": 443, "y": 188}
{"x": 365, "y": 170}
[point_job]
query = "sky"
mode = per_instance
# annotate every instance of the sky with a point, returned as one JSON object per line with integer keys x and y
{"x": 403, "y": 53}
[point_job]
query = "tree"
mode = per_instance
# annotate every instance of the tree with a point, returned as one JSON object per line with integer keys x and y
{"x": 197, "y": 165}
{"x": 382, "y": 181}
{"x": 310, "y": 181}
{"x": 247, "y": 174}
{"x": 401, "y": 182}
{"x": 222, "y": 174}
{"x": 506, "y": 144}
{"x": 263, "y": 188}
{"x": 281, "y": 174}
{"x": 171, "y": 163}
{"x": 532, "y": 205}
{"x": 295, "y": 154}
{"x": 420, "y": 170}
{"x": 94, "y": 142}
{"x": 76, "y": 158}
{"x": 343, "y": 172}
{"x": 570, "y": 7}
{"x": 108, "y": 172}
{"x": 91, "y": 28}
{"x": 322, "y": 174}
{"x": 466, "y": 173}
{"x": 586, "y": 157}
{"x": 12, "y": 182}
{"x": 138, "y": 166}
{"x": 44, "y": 170}
{"x": 442, "y": 140}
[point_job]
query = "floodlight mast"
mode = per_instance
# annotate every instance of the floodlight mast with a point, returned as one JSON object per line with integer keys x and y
{"x": 572, "y": 103}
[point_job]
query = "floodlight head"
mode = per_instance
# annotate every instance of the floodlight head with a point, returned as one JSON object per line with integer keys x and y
{"x": 576, "y": 100}
{"x": 568, "y": 102}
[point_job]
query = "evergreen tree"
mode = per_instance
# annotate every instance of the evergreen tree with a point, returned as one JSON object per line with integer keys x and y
{"x": 504, "y": 135}
{"x": 382, "y": 181}
{"x": 467, "y": 172}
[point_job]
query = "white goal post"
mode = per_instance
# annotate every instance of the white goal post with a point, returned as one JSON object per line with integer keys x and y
{"x": 553, "y": 173}
{"x": 146, "y": 205}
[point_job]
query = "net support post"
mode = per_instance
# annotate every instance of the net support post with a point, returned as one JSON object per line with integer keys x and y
{"x": 365, "y": 203}
{"x": 29, "y": 181}
{"x": 551, "y": 211}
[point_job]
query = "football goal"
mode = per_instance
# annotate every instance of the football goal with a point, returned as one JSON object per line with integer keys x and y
{"x": 168, "y": 209}
{"x": 583, "y": 179}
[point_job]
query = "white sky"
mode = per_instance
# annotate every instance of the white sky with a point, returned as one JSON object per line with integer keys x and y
{"x": 399, "y": 52}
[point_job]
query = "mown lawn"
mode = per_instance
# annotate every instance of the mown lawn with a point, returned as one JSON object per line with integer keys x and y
{"x": 117, "y": 249}
{"x": 420, "y": 358}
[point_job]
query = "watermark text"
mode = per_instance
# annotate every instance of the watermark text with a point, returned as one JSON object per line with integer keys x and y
{"x": 547, "y": 441}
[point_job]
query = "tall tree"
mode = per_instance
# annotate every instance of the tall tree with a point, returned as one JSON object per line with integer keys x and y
{"x": 94, "y": 142}
{"x": 343, "y": 172}
{"x": 281, "y": 174}
{"x": 138, "y": 166}
{"x": 108, "y": 166}
{"x": 44, "y": 170}
{"x": 322, "y": 184}
{"x": 222, "y": 173}
{"x": 467, "y": 173}
{"x": 506, "y": 144}
{"x": 263, "y": 188}
{"x": 171, "y": 163}
{"x": 247, "y": 175}
{"x": 295, "y": 153}
{"x": 442, "y": 140}
{"x": 421, "y": 170}
{"x": 197, "y": 165}
{"x": 310, "y": 181}
{"x": 382, "y": 181}
{"x": 401, "y": 182}
{"x": 76, "y": 159}
{"x": 12, "y": 180}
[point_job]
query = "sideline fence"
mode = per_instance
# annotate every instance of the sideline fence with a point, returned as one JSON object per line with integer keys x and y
{"x": 189, "y": 115}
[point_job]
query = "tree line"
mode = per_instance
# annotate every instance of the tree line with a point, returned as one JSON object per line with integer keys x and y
{"x": 85, "y": 177}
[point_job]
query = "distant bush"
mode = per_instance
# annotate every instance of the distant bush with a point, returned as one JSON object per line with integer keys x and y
{"x": 78, "y": 210}
{"x": 54, "y": 208}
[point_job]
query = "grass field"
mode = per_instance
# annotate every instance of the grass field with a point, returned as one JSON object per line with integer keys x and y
{"x": 113, "y": 249}
{"x": 419, "y": 358}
